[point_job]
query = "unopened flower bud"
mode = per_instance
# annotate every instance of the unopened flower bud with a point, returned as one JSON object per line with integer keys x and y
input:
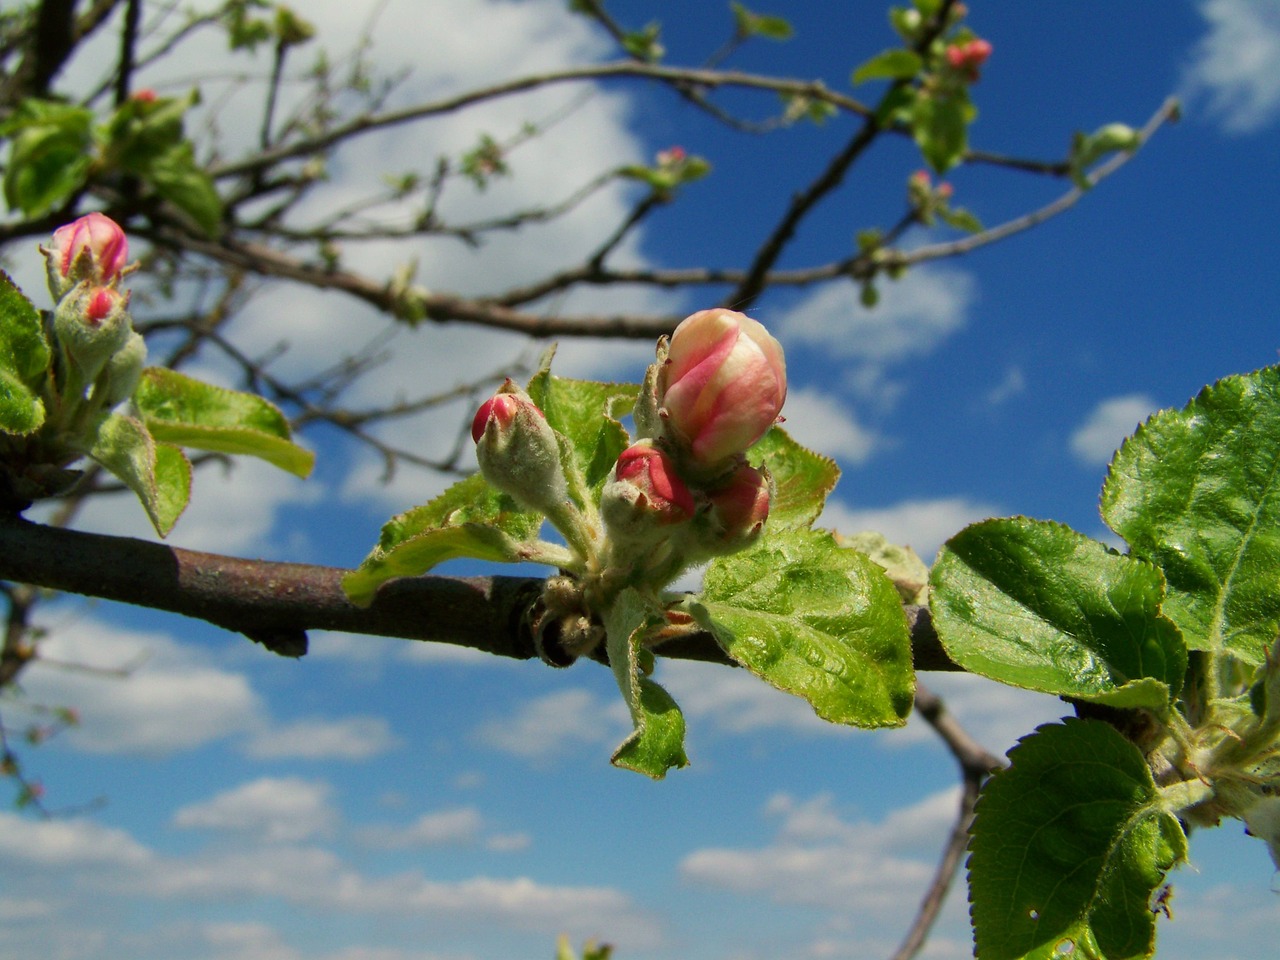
{"x": 968, "y": 57}
{"x": 92, "y": 248}
{"x": 645, "y": 492}
{"x": 740, "y": 508}
{"x": 91, "y": 324}
{"x": 518, "y": 451}
{"x": 722, "y": 386}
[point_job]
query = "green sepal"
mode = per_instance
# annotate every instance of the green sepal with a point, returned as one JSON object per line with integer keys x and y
{"x": 24, "y": 359}
{"x": 470, "y": 519}
{"x": 1039, "y": 606}
{"x": 1068, "y": 845}
{"x": 801, "y": 478}
{"x": 894, "y": 64}
{"x": 158, "y": 473}
{"x": 656, "y": 743}
{"x": 1197, "y": 492}
{"x": 191, "y": 413}
{"x": 816, "y": 620}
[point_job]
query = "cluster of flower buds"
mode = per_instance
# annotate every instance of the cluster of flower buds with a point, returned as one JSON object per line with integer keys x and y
{"x": 966, "y": 58}
{"x": 682, "y": 492}
{"x": 99, "y": 351}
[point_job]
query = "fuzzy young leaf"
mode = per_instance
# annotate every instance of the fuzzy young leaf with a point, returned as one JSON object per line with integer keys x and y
{"x": 586, "y": 414}
{"x": 1039, "y": 606}
{"x": 802, "y": 479}
{"x": 1197, "y": 491}
{"x": 815, "y": 620}
{"x": 940, "y": 125}
{"x": 470, "y": 519}
{"x": 657, "y": 742}
{"x": 24, "y": 357}
{"x": 1068, "y": 845}
{"x": 182, "y": 410}
{"x": 158, "y": 473}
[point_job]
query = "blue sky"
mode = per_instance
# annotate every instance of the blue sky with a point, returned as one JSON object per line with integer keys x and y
{"x": 386, "y": 800}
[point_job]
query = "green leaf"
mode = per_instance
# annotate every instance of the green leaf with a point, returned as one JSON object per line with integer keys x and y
{"x": 895, "y": 64}
{"x": 191, "y": 413}
{"x": 470, "y": 519}
{"x": 1040, "y": 606}
{"x": 1068, "y": 846}
{"x": 816, "y": 620}
{"x": 961, "y": 219}
{"x": 940, "y": 125}
{"x": 177, "y": 178}
{"x": 586, "y": 414}
{"x": 158, "y": 473}
{"x": 1088, "y": 150}
{"x": 802, "y": 479}
{"x": 749, "y": 24}
{"x": 657, "y": 742}
{"x": 50, "y": 154}
{"x": 1197, "y": 491}
{"x": 24, "y": 358}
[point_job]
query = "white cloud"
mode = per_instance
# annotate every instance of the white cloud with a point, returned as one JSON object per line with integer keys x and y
{"x": 737, "y": 702}
{"x": 914, "y": 315}
{"x": 459, "y": 826}
{"x": 994, "y": 714}
{"x": 1237, "y": 63}
{"x": 553, "y": 724}
{"x": 1014, "y": 384}
{"x": 922, "y": 525}
{"x": 321, "y": 738}
{"x": 820, "y": 859}
{"x": 1098, "y": 438}
{"x": 272, "y": 809}
{"x": 75, "y": 844}
{"x": 823, "y": 423}
{"x": 171, "y": 699}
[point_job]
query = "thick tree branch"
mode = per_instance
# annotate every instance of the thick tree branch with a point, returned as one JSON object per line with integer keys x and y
{"x": 277, "y": 603}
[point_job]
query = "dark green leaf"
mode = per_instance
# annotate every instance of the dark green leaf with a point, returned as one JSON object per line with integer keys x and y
{"x": 177, "y": 178}
{"x": 1068, "y": 846}
{"x": 24, "y": 358}
{"x": 182, "y": 410}
{"x": 470, "y": 519}
{"x": 1197, "y": 491}
{"x": 816, "y": 620}
{"x": 1039, "y": 606}
{"x": 940, "y": 125}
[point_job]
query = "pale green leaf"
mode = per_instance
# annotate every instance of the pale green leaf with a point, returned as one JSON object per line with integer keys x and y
{"x": 802, "y": 479}
{"x": 182, "y": 410}
{"x": 816, "y": 620}
{"x": 158, "y": 473}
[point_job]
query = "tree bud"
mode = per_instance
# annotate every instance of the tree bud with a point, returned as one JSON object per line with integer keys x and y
{"x": 91, "y": 324}
{"x": 740, "y": 508}
{"x": 124, "y": 370}
{"x": 92, "y": 248}
{"x": 645, "y": 491}
{"x": 968, "y": 57}
{"x": 518, "y": 451}
{"x": 723, "y": 384}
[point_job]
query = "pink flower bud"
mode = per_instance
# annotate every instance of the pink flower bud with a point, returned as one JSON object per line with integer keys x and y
{"x": 518, "y": 451}
{"x": 92, "y": 248}
{"x": 658, "y": 489}
{"x": 741, "y": 506}
{"x": 101, "y": 301}
{"x": 966, "y": 58}
{"x": 723, "y": 384}
{"x": 145, "y": 95}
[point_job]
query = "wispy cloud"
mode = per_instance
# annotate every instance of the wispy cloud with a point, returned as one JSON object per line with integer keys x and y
{"x": 1237, "y": 63}
{"x": 1097, "y": 439}
{"x": 922, "y": 525}
{"x": 556, "y": 723}
{"x": 272, "y": 809}
{"x": 322, "y": 738}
